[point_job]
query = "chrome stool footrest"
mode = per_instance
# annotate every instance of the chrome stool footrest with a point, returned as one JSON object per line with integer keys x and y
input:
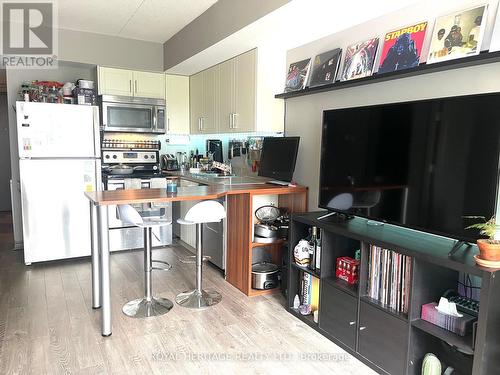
{"x": 192, "y": 259}
{"x": 156, "y": 268}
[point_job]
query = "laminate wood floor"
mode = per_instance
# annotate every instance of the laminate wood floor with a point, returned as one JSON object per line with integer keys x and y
{"x": 47, "y": 325}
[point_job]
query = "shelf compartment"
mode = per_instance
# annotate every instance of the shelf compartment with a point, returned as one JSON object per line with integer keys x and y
{"x": 308, "y": 319}
{"x": 307, "y": 270}
{"x": 482, "y": 58}
{"x": 388, "y": 310}
{"x": 279, "y": 242}
{"x": 463, "y": 343}
{"x": 351, "y": 289}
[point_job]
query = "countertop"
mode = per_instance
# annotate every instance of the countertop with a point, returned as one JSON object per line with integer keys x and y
{"x": 213, "y": 180}
{"x": 191, "y": 193}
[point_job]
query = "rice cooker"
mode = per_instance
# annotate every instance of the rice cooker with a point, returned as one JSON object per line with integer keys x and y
{"x": 265, "y": 275}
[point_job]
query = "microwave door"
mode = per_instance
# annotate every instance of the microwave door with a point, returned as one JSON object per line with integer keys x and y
{"x": 128, "y": 117}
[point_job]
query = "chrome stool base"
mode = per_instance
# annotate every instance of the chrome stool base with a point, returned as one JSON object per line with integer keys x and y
{"x": 142, "y": 308}
{"x": 195, "y": 300}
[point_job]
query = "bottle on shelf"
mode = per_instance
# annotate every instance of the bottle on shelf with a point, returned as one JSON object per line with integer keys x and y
{"x": 318, "y": 251}
{"x": 312, "y": 249}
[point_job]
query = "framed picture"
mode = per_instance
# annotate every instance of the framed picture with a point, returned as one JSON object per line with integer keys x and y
{"x": 296, "y": 77}
{"x": 495, "y": 36}
{"x": 324, "y": 67}
{"x": 359, "y": 60}
{"x": 402, "y": 48}
{"x": 458, "y": 35}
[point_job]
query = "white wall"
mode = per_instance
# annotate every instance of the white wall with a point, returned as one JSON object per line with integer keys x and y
{"x": 303, "y": 115}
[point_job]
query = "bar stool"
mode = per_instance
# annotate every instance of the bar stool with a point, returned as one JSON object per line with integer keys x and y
{"x": 148, "y": 305}
{"x": 203, "y": 212}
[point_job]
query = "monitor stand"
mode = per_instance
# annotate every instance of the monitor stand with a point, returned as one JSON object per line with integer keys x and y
{"x": 339, "y": 216}
{"x": 278, "y": 182}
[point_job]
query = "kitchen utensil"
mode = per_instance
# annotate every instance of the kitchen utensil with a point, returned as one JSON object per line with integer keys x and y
{"x": 266, "y": 231}
{"x": 267, "y": 214}
{"x": 85, "y": 84}
{"x": 265, "y": 276}
{"x": 121, "y": 169}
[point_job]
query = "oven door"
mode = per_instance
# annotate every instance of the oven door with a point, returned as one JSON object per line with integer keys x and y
{"x": 128, "y": 117}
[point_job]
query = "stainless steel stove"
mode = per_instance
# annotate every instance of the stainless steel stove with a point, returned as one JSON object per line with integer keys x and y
{"x": 134, "y": 165}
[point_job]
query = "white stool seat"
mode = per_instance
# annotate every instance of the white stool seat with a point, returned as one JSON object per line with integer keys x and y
{"x": 129, "y": 215}
{"x": 148, "y": 305}
{"x": 203, "y": 212}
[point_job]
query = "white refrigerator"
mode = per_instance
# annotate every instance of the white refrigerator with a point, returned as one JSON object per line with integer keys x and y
{"x": 59, "y": 159}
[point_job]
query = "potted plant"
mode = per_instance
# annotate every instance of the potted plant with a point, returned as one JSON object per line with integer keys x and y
{"x": 489, "y": 248}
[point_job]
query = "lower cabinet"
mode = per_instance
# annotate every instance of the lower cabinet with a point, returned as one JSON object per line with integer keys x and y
{"x": 383, "y": 339}
{"x": 338, "y": 314}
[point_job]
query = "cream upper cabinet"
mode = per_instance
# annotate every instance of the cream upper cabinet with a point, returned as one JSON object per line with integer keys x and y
{"x": 149, "y": 85}
{"x": 245, "y": 90}
{"x": 203, "y": 93}
{"x": 226, "y": 95}
{"x": 177, "y": 100}
{"x": 112, "y": 81}
{"x": 196, "y": 102}
{"x": 237, "y": 94}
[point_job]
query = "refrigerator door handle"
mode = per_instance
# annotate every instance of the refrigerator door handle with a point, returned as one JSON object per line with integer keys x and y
{"x": 97, "y": 135}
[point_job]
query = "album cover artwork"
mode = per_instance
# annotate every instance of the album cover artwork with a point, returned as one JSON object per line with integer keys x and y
{"x": 457, "y": 35}
{"x": 402, "y": 48}
{"x": 324, "y": 67}
{"x": 359, "y": 59}
{"x": 297, "y": 75}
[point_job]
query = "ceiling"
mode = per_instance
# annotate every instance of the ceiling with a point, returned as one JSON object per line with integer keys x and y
{"x": 149, "y": 20}
{"x": 296, "y": 23}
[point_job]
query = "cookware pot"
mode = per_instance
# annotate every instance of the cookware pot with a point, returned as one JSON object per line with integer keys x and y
{"x": 267, "y": 231}
{"x": 121, "y": 169}
{"x": 265, "y": 276}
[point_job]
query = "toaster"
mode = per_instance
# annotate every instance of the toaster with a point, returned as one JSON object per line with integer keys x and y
{"x": 169, "y": 162}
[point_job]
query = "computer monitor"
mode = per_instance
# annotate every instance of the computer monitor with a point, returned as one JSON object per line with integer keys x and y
{"x": 278, "y": 157}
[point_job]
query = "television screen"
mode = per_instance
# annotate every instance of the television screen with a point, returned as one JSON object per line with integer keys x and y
{"x": 278, "y": 157}
{"x": 423, "y": 164}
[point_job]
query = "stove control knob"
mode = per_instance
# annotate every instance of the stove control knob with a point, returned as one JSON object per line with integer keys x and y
{"x": 146, "y": 156}
{"x": 114, "y": 156}
{"x": 107, "y": 156}
{"x": 152, "y": 156}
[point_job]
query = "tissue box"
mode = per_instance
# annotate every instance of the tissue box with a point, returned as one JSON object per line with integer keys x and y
{"x": 459, "y": 325}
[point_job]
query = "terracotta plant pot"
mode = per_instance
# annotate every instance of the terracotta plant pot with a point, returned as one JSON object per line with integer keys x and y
{"x": 488, "y": 251}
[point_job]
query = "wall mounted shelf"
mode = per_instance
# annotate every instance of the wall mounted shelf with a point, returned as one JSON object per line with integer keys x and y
{"x": 481, "y": 59}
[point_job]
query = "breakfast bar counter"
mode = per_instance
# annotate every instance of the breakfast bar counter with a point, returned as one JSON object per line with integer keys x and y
{"x": 239, "y": 228}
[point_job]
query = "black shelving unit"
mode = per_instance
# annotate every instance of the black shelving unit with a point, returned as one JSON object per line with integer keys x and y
{"x": 389, "y": 341}
{"x": 481, "y": 59}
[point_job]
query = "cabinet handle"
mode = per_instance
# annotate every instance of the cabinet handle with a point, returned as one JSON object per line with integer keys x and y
{"x": 352, "y": 323}
{"x": 202, "y": 123}
{"x": 130, "y": 86}
{"x": 362, "y": 328}
{"x": 234, "y": 121}
{"x": 135, "y": 84}
{"x": 168, "y": 124}
{"x": 230, "y": 121}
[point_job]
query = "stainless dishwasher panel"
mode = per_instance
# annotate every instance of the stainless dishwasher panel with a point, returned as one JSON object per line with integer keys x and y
{"x": 213, "y": 241}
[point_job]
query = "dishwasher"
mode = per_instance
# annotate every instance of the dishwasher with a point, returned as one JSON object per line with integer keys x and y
{"x": 213, "y": 243}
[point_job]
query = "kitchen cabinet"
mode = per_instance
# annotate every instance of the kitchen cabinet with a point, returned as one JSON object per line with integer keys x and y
{"x": 203, "y": 92}
{"x": 124, "y": 82}
{"x": 113, "y": 81}
{"x": 338, "y": 314}
{"x": 177, "y": 100}
{"x": 149, "y": 85}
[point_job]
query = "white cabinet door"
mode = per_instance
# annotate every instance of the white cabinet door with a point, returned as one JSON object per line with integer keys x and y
{"x": 149, "y": 85}
{"x": 113, "y": 81}
{"x": 177, "y": 100}
{"x": 210, "y": 100}
{"x": 196, "y": 102}
{"x": 226, "y": 96}
{"x": 245, "y": 95}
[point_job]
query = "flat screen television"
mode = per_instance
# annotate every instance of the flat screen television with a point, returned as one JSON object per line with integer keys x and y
{"x": 278, "y": 157}
{"x": 423, "y": 164}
